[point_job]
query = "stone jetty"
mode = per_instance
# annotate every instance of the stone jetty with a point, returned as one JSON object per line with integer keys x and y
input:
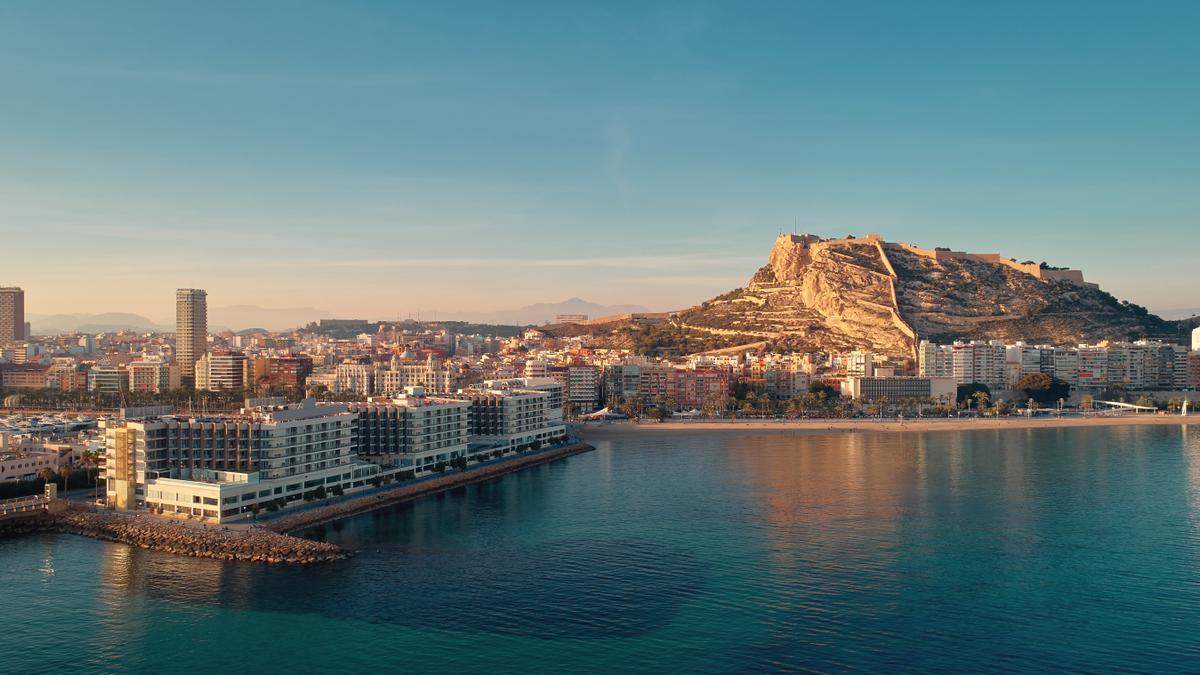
{"x": 253, "y": 544}
{"x": 405, "y": 491}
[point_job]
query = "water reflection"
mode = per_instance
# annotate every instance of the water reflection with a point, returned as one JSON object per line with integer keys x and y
{"x": 1027, "y": 550}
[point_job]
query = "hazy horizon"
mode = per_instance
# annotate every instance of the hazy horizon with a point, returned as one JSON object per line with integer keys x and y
{"x": 382, "y": 160}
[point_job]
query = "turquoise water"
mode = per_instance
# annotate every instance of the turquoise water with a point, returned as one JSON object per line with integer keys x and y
{"x": 989, "y": 550}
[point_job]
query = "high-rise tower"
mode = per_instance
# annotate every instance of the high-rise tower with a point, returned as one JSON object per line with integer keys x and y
{"x": 191, "y": 331}
{"x": 12, "y": 315}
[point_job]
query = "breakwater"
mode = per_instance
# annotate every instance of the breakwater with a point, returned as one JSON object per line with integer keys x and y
{"x": 267, "y": 542}
{"x": 253, "y": 544}
{"x": 405, "y": 492}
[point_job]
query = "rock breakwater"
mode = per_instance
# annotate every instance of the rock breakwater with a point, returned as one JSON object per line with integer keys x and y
{"x": 254, "y": 544}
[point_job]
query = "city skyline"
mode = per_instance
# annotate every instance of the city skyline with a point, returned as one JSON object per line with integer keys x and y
{"x": 382, "y": 160}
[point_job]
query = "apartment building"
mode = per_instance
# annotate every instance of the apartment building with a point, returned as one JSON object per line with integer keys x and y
{"x": 411, "y": 431}
{"x": 935, "y": 360}
{"x": 24, "y": 376}
{"x": 691, "y": 388}
{"x": 622, "y": 380}
{"x": 221, "y": 370}
{"x": 508, "y": 418}
{"x": 858, "y": 364}
{"x": 1066, "y": 365}
{"x": 1092, "y": 368}
{"x": 284, "y": 372}
{"x": 223, "y": 468}
{"x": 12, "y": 315}
{"x": 149, "y": 376}
{"x": 980, "y": 363}
{"x": 191, "y": 330}
{"x": 354, "y": 378}
{"x": 654, "y": 383}
{"x": 896, "y": 389}
{"x": 786, "y": 379}
{"x": 432, "y": 375}
{"x": 583, "y": 388}
{"x": 108, "y": 379}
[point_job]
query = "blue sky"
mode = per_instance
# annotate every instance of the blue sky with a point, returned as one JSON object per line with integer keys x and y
{"x": 373, "y": 159}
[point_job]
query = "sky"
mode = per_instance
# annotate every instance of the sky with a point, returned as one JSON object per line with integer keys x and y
{"x": 380, "y": 159}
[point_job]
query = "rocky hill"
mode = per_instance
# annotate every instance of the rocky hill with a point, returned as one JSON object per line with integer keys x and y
{"x": 844, "y": 294}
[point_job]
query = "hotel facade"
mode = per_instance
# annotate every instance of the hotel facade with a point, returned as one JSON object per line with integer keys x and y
{"x": 227, "y": 467}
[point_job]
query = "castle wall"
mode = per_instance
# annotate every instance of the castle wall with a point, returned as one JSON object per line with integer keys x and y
{"x": 1032, "y": 269}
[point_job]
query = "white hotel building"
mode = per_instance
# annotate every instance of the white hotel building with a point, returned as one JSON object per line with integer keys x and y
{"x": 513, "y": 414}
{"x": 412, "y": 431}
{"x": 223, "y": 468}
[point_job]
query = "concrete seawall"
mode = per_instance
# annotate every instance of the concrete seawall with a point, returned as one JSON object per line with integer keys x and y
{"x": 251, "y": 545}
{"x": 266, "y": 542}
{"x": 401, "y": 493}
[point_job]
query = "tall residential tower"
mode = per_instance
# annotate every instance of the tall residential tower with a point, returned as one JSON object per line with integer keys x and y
{"x": 191, "y": 330}
{"x": 12, "y": 315}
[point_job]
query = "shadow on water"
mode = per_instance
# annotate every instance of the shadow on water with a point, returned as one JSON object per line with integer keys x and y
{"x": 419, "y": 565}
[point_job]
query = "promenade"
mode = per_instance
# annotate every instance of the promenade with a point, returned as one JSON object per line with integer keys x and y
{"x": 401, "y": 492}
{"x": 889, "y": 424}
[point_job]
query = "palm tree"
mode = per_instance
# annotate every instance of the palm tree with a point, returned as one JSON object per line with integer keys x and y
{"x": 89, "y": 458}
{"x": 981, "y": 399}
{"x": 65, "y": 471}
{"x": 46, "y": 474}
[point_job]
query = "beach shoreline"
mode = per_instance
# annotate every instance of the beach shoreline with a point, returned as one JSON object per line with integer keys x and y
{"x": 889, "y": 425}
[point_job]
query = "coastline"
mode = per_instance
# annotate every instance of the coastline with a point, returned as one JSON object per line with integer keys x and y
{"x": 287, "y": 524}
{"x": 889, "y": 425}
{"x": 267, "y": 542}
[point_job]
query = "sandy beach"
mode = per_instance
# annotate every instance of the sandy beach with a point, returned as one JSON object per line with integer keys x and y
{"x": 889, "y": 425}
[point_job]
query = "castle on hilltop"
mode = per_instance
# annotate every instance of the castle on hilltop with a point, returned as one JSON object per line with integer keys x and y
{"x": 1039, "y": 271}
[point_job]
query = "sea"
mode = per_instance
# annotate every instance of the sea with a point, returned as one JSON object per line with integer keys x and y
{"x": 691, "y": 551}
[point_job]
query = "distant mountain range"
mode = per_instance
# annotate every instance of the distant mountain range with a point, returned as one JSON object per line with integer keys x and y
{"x": 1176, "y": 314}
{"x": 220, "y": 319}
{"x": 108, "y": 322}
{"x": 542, "y": 312}
{"x": 242, "y": 317}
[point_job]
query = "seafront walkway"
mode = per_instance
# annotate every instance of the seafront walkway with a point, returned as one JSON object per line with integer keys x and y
{"x": 310, "y": 515}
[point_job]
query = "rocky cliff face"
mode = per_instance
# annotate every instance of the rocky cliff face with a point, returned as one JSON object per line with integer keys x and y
{"x": 845, "y": 294}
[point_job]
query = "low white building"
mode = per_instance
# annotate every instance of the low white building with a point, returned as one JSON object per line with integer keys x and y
{"x": 25, "y": 465}
{"x": 223, "y": 468}
{"x": 897, "y": 389}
